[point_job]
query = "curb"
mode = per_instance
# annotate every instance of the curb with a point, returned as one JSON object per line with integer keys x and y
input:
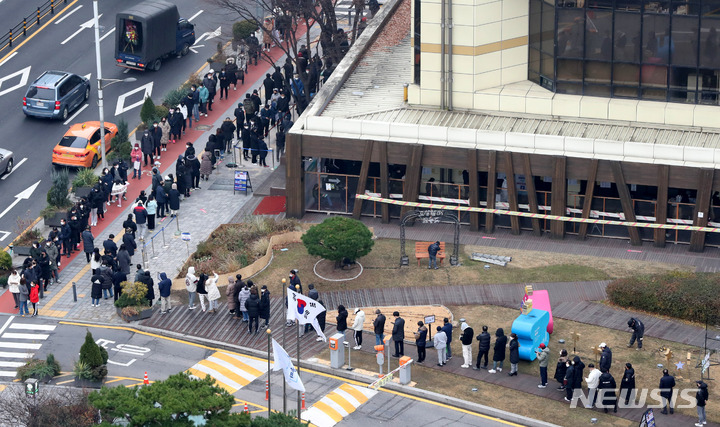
{"x": 411, "y": 391}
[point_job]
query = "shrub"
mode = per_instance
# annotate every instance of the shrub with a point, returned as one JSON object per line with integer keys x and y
{"x": 160, "y": 112}
{"x": 337, "y": 238}
{"x": 85, "y": 178}
{"x": 688, "y": 296}
{"x": 147, "y": 111}
{"x": 50, "y": 361}
{"x": 121, "y": 146}
{"x": 82, "y": 371}
{"x": 57, "y": 196}
{"x": 35, "y": 369}
{"x": 5, "y": 261}
{"x": 173, "y": 97}
{"x": 278, "y": 419}
{"x": 3, "y": 281}
{"x": 90, "y": 352}
{"x": 243, "y": 29}
{"x": 133, "y": 295}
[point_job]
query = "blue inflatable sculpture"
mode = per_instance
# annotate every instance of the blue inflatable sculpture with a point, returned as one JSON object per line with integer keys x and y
{"x": 531, "y": 330}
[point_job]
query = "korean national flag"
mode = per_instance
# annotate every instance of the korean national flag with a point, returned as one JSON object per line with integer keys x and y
{"x": 304, "y": 310}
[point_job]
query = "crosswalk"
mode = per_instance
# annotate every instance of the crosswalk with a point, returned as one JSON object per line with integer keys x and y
{"x": 338, "y": 404}
{"x": 18, "y": 343}
{"x": 231, "y": 371}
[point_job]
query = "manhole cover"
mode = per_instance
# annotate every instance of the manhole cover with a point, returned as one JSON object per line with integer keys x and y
{"x": 203, "y": 127}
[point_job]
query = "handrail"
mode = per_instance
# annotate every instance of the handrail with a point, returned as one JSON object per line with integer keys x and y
{"x": 32, "y": 20}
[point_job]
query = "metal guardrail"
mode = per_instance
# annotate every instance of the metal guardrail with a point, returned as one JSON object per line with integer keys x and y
{"x": 33, "y": 20}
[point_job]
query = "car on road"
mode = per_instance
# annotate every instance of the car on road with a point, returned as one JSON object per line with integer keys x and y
{"x": 80, "y": 146}
{"x": 55, "y": 94}
{"x": 6, "y": 161}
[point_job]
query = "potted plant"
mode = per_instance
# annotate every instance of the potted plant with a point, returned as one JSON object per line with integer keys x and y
{"x": 91, "y": 369}
{"x": 132, "y": 304}
{"x": 42, "y": 370}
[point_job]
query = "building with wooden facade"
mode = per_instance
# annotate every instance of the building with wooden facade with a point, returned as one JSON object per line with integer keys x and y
{"x": 604, "y": 111}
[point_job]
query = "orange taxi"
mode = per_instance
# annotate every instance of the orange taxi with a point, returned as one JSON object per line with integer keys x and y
{"x": 80, "y": 147}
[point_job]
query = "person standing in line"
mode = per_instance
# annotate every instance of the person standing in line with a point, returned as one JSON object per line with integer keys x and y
{"x": 150, "y": 285}
{"x": 579, "y": 367}
{"x": 202, "y": 292}
{"x": 52, "y": 252}
{"x": 357, "y": 328}
{"x": 243, "y": 296}
{"x": 95, "y": 261}
{"x": 204, "y": 94}
{"x": 151, "y": 209}
{"x": 592, "y": 381}
{"x": 448, "y": 328}
{"x": 148, "y": 147}
{"x": 191, "y": 281}
{"x": 23, "y": 295}
{"x": 607, "y": 391}
{"x": 165, "y": 128}
{"x": 498, "y": 351}
{"x": 701, "y": 397}
{"x": 140, "y": 219}
{"x": 560, "y": 369}
{"x": 110, "y": 247}
{"x": 174, "y": 200}
{"x": 34, "y": 297}
{"x": 514, "y": 354}
{"x": 96, "y": 289}
{"x": 341, "y": 320}
{"x": 379, "y": 327}
{"x": 118, "y": 278}
{"x": 483, "y": 348}
{"x": 213, "y": 292}
{"x": 136, "y": 159}
{"x": 229, "y": 293}
{"x": 279, "y": 142}
{"x": 543, "y": 354}
{"x": 253, "y": 309}
{"x": 164, "y": 286}
{"x": 667, "y": 382}
{"x": 123, "y": 259}
{"x": 14, "y": 287}
{"x": 160, "y": 200}
{"x": 433, "y": 250}
{"x": 156, "y": 134}
{"x": 265, "y": 305}
{"x": 421, "y": 340}
{"x": 224, "y": 83}
{"x": 627, "y": 384}
{"x": 466, "y": 340}
{"x": 605, "y": 357}
{"x": 440, "y": 341}
{"x": 88, "y": 243}
{"x": 638, "y": 332}
{"x": 569, "y": 380}
{"x": 398, "y": 335}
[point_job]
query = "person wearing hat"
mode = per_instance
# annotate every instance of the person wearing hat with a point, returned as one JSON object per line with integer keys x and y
{"x": 466, "y": 339}
{"x": 701, "y": 398}
{"x": 433, "y": 250}
{"x": 357, "y": 328}
{"x": 638, "y": 331}
{"x": 542, "y": 353}
{"x": 605, "y": 357}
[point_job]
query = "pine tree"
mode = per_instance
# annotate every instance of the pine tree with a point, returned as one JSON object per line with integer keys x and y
{"x": 90, "y": 352}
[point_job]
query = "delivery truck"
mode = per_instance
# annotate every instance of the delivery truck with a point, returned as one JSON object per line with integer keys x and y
{"x": 148, "y": 33}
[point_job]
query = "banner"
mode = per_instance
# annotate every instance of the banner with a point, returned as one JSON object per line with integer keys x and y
{"x": 305, "y": 310}
{"x": 282, "y": 361}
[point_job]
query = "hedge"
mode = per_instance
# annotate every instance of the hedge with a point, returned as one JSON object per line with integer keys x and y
{"x": 683, "y": 295}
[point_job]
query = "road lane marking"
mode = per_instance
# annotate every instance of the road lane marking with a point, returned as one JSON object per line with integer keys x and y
{"x": 37, "y": 31}
{"x": 12, "y": 374}
{"x": 196, "y": 15}
{"x": 69, "y": 13}
{"x": 20, "y": 345}
{"x": 4, "y": 364}
{"x": 107, "y": 34}
{"x": 80, "y": 110}
{"x": 24, "y": 159}
{"x": 83, "y": 26}
{"x": 7, "y": 59}
{"x": 14, "y": 355}
{"x": 121, "y": 108}
{"x": 33, "y": 327}
{"x": 24, "y": 76}
{"x": 10, "y": 319}
{"x": 18, "y": 336}
{"x": 231, "y": 372}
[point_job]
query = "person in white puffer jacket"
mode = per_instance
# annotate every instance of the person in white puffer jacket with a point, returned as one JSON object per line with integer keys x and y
{"x": 213, "y": 293}
{"x": 357, "y": 328}
{"x": 191, "y": 281}
{"x": 14, "y": 287}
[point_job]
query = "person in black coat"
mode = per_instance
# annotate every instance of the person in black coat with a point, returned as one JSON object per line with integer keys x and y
{"x": 110, "y": 246}
{"x": 123, "y": 259}
{"x": 667, "y": 382}
{"x": 262, "y": 152}
{"x": 96, "y": 289}
{"x": 561, "y": 368}
{"x": 228, "y": 129}
{"x": 192, "y": 165}
{"x": 150, "y": 284}
{"x": 180, "y": 172}
{"x": 606, "y": 388}
{"x": 341, "y": 320}
{"x": 483, "y": 348}
{"x": 88, "y": 243}
{"x": 265, "y": 305}
{"x": 239, "y": 114}
{"x": 627, "y": 385}
{"x": 118, "y": 277}
{"x": 129, "y": 242}
{"x": 246, "y": 141}
{"x": 638, "y": 331}
{"x": 579, "y": 367}
{"x": 570, "y": 380}
{"x": 605, "y": 358}
{"x": 174, "y": 199}
{"x": 147, "y": 146}
{"x": 107, "y": 283}
{"x": 498, "y": 351}
{"x": 161, "y": 199}
{"x": 156, "y": 134}
{"x": 252, "y": 305}
{"x": 514, "y": 354}
{"x": 130, "y": 226}
{"x": 398, "y": 334}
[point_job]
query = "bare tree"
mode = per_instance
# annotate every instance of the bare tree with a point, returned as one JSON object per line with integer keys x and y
{"x": 52, "y": 406}
{"x": 294, "y": 19}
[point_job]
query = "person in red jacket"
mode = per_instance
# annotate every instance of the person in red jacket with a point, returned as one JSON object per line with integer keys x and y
{"x": 34, "y": 297}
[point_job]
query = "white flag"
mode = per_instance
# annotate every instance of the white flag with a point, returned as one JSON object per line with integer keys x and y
{"x": 282, "y": 361}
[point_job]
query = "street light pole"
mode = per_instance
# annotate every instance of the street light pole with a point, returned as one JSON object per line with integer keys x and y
{"x": 99, "y": 82}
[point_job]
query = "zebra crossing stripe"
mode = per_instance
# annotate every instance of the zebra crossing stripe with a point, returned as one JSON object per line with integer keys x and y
{"x": 23, "y": 345}
{"x": 32, "y": 327}
{"x": 231, "y": 372}
{"x": 336, "y": 405}
{"x": 17, "y": 336}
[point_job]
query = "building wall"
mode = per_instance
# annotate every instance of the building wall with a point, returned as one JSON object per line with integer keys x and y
{"x": 490, "y": 48}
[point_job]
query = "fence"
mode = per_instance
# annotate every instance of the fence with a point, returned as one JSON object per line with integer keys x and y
{"x": 33, "y": 20}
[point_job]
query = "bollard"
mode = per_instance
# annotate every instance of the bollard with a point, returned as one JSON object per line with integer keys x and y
{"x": 38, "y": 15}
{"x": 24, "y": 26}
{"x": 74, "y": 292}
{"x": 144, "y": 257}
{"x": 41, "y": 293}
{"x": 52, "y": 7}
{"x": 350, "y": 16}
{"x": 10, "y": 34}
{"x": 11, "y": 250}
{"x": 177, "y": 223}
{"x": 165, "y": 246}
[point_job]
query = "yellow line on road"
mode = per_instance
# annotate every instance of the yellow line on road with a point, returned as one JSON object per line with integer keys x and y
{"x": 397, "y": 393}
{"x": 38, "y": 30}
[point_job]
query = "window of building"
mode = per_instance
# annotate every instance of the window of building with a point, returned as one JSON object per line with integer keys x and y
{"x": 416, "y": 42}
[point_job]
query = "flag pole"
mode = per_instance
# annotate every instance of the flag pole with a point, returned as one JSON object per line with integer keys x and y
{"x": 297, "y": 289}
{"x": 284, "y": 334}
{"x": 269, "y": 335}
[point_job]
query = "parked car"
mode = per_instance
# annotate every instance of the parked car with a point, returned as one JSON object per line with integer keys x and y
{"x": 55, "y": 94}
{"x": 80, "y": 146}
{"x": 6, "y": 161}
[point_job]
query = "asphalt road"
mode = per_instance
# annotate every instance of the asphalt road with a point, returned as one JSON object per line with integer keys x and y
{"x": 66, "y": 45}
{"x": 131, "y": 354}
